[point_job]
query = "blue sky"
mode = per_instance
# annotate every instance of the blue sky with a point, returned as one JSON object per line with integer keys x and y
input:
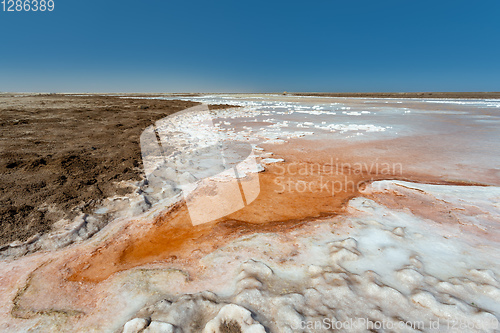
{"x": 252, "y": 46}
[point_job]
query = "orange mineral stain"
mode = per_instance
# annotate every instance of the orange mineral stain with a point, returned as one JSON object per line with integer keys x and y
{"x": 287, "y": 198}
{"x": 311, "y": 183}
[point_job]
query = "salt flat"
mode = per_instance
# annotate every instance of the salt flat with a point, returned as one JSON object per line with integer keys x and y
{"x": 370, "y": 214}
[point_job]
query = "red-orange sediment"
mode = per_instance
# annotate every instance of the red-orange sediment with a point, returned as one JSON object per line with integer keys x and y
{"x": 172, "y": 238}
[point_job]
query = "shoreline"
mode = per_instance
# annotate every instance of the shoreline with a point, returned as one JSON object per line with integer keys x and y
{"x": 388, "y": 95}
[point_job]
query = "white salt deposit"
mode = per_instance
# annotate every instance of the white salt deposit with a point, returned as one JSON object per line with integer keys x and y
{"x": 271, "y": 160}
{"x": 375, "y": 266}
{"x": 237, "y": 315}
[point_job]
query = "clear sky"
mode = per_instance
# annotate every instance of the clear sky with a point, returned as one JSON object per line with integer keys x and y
{"x": 252, "y": 46}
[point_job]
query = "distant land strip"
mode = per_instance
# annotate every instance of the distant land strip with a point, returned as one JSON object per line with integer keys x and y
{"x": 470, "y": 95}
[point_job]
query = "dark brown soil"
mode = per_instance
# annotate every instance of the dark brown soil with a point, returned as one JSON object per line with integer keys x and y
{"x": 230, "y": 327}
{"x": 61, "y": 155}
{"x": 472, "y": 95}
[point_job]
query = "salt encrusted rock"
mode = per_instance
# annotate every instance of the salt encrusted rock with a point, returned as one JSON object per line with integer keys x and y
{"x": 168, "y": 191}
{"x": 399, "y": 231}
{"x": 345, "y": 250}
{"x": 139, "y": 206}
{"x": 236, "y": 316}
{"x": 180, "y": 313}
{"x": 314, "y": 270}
{"x": 255, "y": 268}
{"x": 135, "y": 325}
{"x": 484, "y": 276}
{"x": 187, "y": 178}
{"x": 411, "y": 278}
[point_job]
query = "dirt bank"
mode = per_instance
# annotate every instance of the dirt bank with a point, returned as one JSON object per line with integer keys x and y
{"x": 61, "y": 155}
